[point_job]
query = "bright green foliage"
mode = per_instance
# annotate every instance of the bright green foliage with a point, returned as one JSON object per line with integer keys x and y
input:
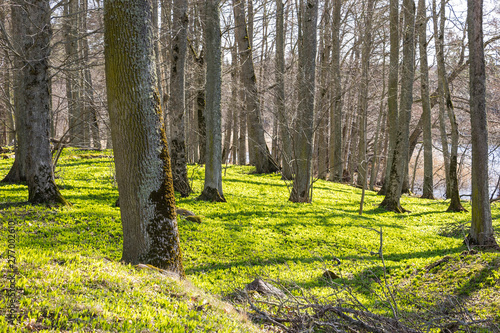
{"x": 257, "y": 232}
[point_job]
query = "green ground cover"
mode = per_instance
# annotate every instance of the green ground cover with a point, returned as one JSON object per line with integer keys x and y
{"x": 71, "y": 278}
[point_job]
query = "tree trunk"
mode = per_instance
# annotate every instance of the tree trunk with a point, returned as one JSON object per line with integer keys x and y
{"x": 399, "y": 166}
{"x": 452, "y": 179}
{"x": 305, "y": 115}
{"x": 428, "y": 186}
{"x": 281, "y": 114}
{"x": 392, "y": 98}
{"x": 234, "y": 104}
{"x": 143, "y": 170}
{"x": 90, "y": 108}
{"x": 263, "y": 160}
{"x": 363, "y": 99}
{"x": 335, "y": 157}
{"x": 35, "y": 73}
{"x": 481, "y": 232}
{"x": 213, "y": 169}
{"x": 75, "y": 112}
{"x": 177, "y": 106}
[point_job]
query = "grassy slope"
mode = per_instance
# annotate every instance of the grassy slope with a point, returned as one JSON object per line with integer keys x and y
{"x": 258, "y": 232}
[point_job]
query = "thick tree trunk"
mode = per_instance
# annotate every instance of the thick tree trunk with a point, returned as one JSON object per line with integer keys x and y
{"x": 428, "y": 186}
{"x": 281, "y": 114}
{"x": 263, "y": 160}
{"x": 177, "y": 106}
{"x": 213, "y": 169}
{"x": 399, "y": 166}
{"x": 35, "y": 73}
{"x": 392, "y": 98}
{"x": 305, "y": 116}
{"x": 143, "y": 170}
{"x": 481, "y": 232}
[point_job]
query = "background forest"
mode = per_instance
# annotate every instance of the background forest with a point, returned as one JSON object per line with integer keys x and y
{"x": 327, "y": 103}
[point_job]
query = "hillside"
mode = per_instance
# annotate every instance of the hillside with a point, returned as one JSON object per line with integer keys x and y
{"x": 71, "y": 278}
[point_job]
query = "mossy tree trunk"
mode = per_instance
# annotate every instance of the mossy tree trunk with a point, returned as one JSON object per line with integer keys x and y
{"x": 213, "y": 167}
{"x": 481, "y": 232}
{"x": 35, "y": 74}
{"x": 143, "y": 169}
{"x": 263, "y": 160}
{"x": 177, "y": 105}
{"x": 428, "y": 186}
{"x": 303, "y": 137}
{"x": 399, "y": 166}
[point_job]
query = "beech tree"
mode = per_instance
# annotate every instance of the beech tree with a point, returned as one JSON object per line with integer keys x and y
{"x": 481, "y": 232}
{"x": 143, "y": 170}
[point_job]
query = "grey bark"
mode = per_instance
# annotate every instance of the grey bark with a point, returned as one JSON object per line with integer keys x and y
{"x": 34, "y": 72}
{"x": 143, "y": 170}
{"x": 481, "y": 232}
{"x": 177, "y": 101}
{"x": 335, "y": 155}
{"x": 399, "y": 166}
{"x": 428, "y": 186}
{"x": 392, "y": 98}
{"x": 303, "y": 137}
{"x": 213, "y": 169}
{"x": 234, "y": 103}
{"x": 281, "y": 114}
{"x": 264, "y": 162}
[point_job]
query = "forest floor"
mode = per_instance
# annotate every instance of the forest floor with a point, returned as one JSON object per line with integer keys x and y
{"x": 70, "y": 277}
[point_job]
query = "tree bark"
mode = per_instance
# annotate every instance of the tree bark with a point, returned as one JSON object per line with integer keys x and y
{"x": 264, "y": 162}
{"x": 177, "y": 106}
{"x": 281, "y": 114}
{"x": 392, "y": 98}
{"x": 213, "y": 169}
{"x": 35, "y": 74}
{"x": 428, "y": 186}
{"x": 399, "y": 166}
{"x": 481, "y": 232}
{"x": 301, "y": 189}
{"x": 234, "y": 104}
{"x": 143, "y": 170}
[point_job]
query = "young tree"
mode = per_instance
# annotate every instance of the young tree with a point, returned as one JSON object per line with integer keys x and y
{"x": 481, "y": 232}
{"x": 305, "y": 116}
{"x": 213, "y": 165}
{"x": 177, "y": 106}
{"x": 143, "y": 171}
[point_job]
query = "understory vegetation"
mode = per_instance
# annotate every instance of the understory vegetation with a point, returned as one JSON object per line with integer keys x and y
{"x": 323, "y": 256}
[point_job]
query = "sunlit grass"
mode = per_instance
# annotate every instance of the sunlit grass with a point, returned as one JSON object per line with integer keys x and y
{"x": 68, "y": 257}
